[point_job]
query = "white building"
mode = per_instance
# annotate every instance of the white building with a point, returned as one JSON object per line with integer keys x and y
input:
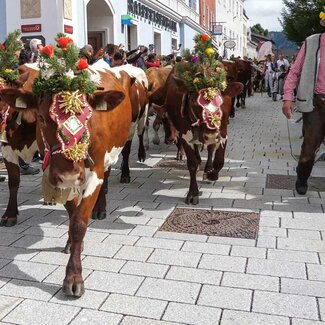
{"x": 232, "y": 18}
{"x": 164, "y": 23}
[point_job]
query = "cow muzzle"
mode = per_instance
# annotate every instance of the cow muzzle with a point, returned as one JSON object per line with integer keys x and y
{"x": 210, "y": 138}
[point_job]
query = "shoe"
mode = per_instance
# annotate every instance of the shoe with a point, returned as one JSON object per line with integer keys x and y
{"x": 301, "y": 187}
{"x": 29, "y": 171}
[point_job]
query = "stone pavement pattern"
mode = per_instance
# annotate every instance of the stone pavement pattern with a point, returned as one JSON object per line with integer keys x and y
{"x": 135, "y": 274}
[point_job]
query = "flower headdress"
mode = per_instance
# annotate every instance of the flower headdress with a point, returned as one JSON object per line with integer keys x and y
{"x": 62, "y": 70}
{"x": 203, "y": 70}
{"x": 9, "y": 58}
{"x": 322, "y": 17}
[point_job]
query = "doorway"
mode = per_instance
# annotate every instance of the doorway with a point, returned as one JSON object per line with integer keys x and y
{"x": 157, "y": 42}
{"x": 96, "y": 40}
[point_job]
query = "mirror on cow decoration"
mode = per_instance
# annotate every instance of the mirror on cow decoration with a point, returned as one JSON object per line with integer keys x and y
{"x": 204, "y": 74}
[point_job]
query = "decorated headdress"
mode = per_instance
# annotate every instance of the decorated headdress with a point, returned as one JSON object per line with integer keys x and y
{"x": 206, "y": 75}
{"x": 322, "y": 17}
{"x": 64, "y": 76}
{"x": 9, "y": 58}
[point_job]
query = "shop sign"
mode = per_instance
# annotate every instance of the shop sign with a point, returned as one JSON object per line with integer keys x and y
{"x": 138, "y": 9}
{"x": 229, "y": 44}
{"x": 68, "y": 29}
{"x": 32, "y": 28}
{"x": 216, "y": 29}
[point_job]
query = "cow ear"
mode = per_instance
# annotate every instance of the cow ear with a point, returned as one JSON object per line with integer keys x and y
{"x": 18, "y": 99}
{"x": 106, "y": 100}
{"x": 233, "y": 89}
{"x": 180, "y": 84}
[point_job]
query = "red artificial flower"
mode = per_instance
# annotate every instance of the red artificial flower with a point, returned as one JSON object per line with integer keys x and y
{"x": 48, "y": 50}
{"x": 64, "y": 42}
{"x": 82, "y": 64}
{"x": 204, "y": 37}
{"x": 2, "y": 46}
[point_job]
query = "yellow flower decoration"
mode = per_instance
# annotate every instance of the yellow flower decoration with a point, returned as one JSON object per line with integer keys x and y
{"x": 322, "y": 15}
{"x": 209, "y": 51}
{"x": 196, "y": 80}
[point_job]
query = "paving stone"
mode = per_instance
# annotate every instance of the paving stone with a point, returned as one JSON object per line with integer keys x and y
{"x": 29, "y": 289}
{"x": 304, "y": 224}
{"x": 321, "y": 302}
{"x": 194, "y": 275}
{"x": 223, "y": 297}
{"x": 146, "y": 231}
{"x": 160, "y": 243}
{"x": 40, "y": 243}
{"x": 301, "y": 244}
{"x": 57, "y": 258}
{"x": 231, "y": 241}
{"x": 121, "y": 239}
{"x": 296, "y": 321}
{"x": 266, "y": 241}
{"x": 130, "y": 320}
{"x": 7, "y": 304}
{"x": 303, "y": 234}
{"x": 206, "y": 248}
{"x": 223, "y": 263}
{"x": 111, "y": 282}
{"x": 293, "y": 256}
{"x": 4, "y": 262}
{"x": 250, "y": 281}
{"x": 181, "y": 236}
{"x": 102, "y": 264}
{"x": 7, "y": 239}
{"x": 135, "y": 306}
{"x": 27, "y": 270}
{"x": 234, "y": 317}
{"x": 285, "y": 305}
{"x": 91, "y": 299}
{"x": 248, "y": 251}
{"x": 101, "y": 249}
{"x": 276, "y": 268}
{"x": 145, "y": 269}
{"x": 303, "y": 287}
{"x": 95, "y": 317}
{"x": 38, "y": 312}
{"x": 269, "y": 221}
{"x": 190, "y": 314}
{"x": 45, "y": 231}
{"x": 134, "y": 253}
{"x": 169, "y": 290}
{"x": 316, "y": 272}
{"x": 181, "y": 258}
{"x": 272, "y": 231}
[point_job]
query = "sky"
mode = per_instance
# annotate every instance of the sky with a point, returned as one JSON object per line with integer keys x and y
{"x": 265, "y": 12}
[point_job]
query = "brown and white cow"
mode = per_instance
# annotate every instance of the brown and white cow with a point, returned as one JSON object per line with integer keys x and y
{"x": 108, "y": 131}
{"x": 186, "y": 115}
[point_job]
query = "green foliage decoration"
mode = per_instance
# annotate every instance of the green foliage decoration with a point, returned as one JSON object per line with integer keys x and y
{"x": 9, "y": 57}
{"x": 62, "y": 70}
{"x": 202, "y": 70}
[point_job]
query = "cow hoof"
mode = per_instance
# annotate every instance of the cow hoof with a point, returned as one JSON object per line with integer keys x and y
{"x": 125, "y": 179}
{"x": 243, "y": 106}
{"x": 192, "y": 199}
{"x": 237, "y": 105}
{"x": 74, "y": 289}
{"x": 94, "y": 215}
{"x": 8, "y": 221}
{"x": 142, "y": 157}
{"x": 156, "y": 141}
{"x": 301, "y": 187}
{"x": 101, "y": 215}
{"x": 213, "y": 175}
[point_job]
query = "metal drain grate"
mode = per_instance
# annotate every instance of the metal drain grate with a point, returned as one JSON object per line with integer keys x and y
{"x": 286, "y": 182}
{"x": 171, "y": 163}
{"x": 213, "y": 223}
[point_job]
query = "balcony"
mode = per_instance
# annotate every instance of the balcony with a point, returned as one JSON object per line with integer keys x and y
{"x": 181, "y": 8}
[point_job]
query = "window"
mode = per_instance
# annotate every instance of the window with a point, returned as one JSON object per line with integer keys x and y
{"x": 192, "y": 4}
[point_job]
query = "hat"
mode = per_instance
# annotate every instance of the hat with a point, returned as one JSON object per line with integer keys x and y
{"x": 322, "y": 18}
{"x": 87, "y": 51}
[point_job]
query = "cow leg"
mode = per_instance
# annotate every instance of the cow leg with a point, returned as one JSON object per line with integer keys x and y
{"x": 219, "y": 159}
{"x": 125, "y": 175}
{"x": 156, "y": 125}
{"x": 69, "y": 206}
{"x": 99, "y": 211}
{"x": 232, "y": 111}
{"x": 73, "y": 284}
{"x": 146, "y": 136}
{"x": 209, "y": 172}
{"x": 9, "y": 218}
{"x": 192, "y": 165}
{"x": 243, "y": 99}
{"x": 314, "y": 133}
{"x": 238, "y": 101}
{"x": 180, "y": 151}
{"x": 142, "y": 121}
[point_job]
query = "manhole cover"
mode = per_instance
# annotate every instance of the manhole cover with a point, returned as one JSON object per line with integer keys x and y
{"x": 213, "y": 223}
{"x": 286, "y": 182}
{"x": 171, "y": 163}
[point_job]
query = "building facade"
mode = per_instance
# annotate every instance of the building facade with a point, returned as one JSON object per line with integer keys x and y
{"x": 162, "y": 24}
{"x": 231, "y": 16}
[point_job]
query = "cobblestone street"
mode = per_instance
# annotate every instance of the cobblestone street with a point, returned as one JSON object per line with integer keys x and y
{"x": 136, "y": 274}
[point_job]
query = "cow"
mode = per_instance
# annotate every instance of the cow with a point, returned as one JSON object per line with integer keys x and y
{"x": 108, "y": 131}
{"x": 185, "y": 113}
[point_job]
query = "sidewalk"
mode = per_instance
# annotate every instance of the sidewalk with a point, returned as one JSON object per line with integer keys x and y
{"x": 137, "y": 275}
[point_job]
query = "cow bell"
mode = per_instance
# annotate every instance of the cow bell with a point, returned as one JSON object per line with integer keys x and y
{"x": 3, "y": 137}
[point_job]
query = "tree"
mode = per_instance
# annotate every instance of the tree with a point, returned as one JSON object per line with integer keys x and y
{"x": 258, "y": 29}
{"x": 300, "y": 18}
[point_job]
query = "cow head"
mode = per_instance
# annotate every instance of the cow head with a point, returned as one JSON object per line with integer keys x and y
{"x": 64, "y": 128}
